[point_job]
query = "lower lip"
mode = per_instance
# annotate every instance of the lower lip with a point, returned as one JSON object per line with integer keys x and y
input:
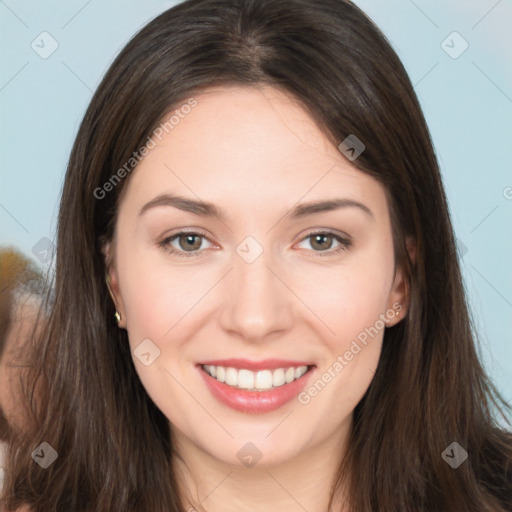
{"x": 255, "y": 401}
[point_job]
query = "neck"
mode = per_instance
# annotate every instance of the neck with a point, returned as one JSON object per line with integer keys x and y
{"x": 301, "y": 483}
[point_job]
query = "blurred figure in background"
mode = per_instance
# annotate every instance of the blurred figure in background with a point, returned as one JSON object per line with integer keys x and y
{"x": 21, "y": 303}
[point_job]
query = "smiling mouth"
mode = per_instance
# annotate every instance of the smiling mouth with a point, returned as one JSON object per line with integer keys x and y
{"x": 262, "y": 380}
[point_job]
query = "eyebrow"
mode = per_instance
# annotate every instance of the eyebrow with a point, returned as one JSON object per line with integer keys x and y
{"x": 207, "y": 209}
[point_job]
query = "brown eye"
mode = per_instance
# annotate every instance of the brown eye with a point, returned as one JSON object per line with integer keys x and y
{"x": 321, "y": 241}
{"x": 189, "y": 241}
{"x": 325, "y": 243}
{"x": 184, "y": 244}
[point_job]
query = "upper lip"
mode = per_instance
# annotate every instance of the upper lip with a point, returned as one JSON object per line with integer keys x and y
{"x": 264, "y": 364}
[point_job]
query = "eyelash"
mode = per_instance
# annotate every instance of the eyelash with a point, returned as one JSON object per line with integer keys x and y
{"x": 345, "y": 243}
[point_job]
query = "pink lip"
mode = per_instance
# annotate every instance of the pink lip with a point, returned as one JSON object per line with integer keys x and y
{"x": 266, "y": 364}
{"x": 256, "y": 402}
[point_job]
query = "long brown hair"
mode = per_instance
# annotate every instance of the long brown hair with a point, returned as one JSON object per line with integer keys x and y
{"x": 114, "y": 447}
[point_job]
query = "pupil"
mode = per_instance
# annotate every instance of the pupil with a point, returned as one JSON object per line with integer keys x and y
{"x": 320, "y": 240}
{"x": 190, "y": 241}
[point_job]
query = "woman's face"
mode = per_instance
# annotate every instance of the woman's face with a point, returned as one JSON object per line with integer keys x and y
{"x": 257, "y": 284}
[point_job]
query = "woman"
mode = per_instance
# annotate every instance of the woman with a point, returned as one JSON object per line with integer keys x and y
{"x": 254, "y": 198}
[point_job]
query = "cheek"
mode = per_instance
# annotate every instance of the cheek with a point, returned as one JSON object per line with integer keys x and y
{"x": 351, "y": 303}
{"x": 144, "y": 309}
{"x": 163, "y": 303}
{"x": 348, "y": 298}
{"x": 155, "y": 299}
{"x": 148, "y": 292}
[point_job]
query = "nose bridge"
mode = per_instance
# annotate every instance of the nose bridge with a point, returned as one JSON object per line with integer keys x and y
{"x": 257, "y": 303}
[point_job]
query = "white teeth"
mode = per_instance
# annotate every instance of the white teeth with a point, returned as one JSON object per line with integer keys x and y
{"x": 278, "y": 377}
{"x": 221, "y": 373}
{"x": 255, "y": 381}
{"x": 231, "y": 377}
{"x": 245, "y": 379}
{"x": 263, "y": 379}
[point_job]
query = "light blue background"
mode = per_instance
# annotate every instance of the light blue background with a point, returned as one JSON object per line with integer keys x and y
{"x": 467, "y": 102}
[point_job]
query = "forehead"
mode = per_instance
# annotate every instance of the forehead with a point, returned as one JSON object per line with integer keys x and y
{"x": 241, "y": 146}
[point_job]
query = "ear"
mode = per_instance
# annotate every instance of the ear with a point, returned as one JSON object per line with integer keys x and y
{"x": 112, "y": 281}
{"x": 399, "y": 297}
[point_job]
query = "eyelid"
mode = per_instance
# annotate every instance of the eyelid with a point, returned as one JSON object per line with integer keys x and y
{"x": 184, "y": 231}
{"x": 179, "y": 231}
{"x": 326, "y": 231}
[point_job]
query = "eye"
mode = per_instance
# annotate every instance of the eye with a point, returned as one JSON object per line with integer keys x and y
{"x": 186, "y": 244}
{"x": 322, "y": 242}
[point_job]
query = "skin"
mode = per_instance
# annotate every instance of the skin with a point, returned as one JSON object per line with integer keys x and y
{"x": 255, "y": 153}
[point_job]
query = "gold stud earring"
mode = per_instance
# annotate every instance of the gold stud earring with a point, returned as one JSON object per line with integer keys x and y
{"x": 397, "y": 313}
{"x": 117, "y": 317}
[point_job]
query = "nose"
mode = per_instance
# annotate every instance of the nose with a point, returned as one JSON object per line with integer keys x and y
{"x": 258, "y": 304}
